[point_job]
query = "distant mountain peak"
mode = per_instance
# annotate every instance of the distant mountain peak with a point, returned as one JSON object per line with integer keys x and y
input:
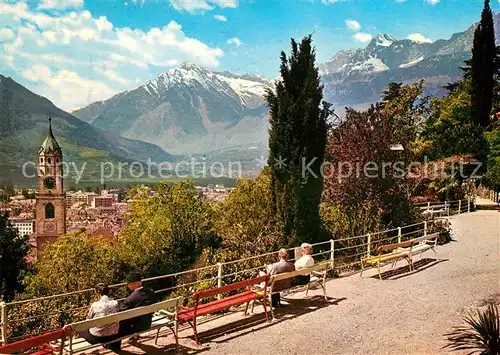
{"x": 382, "y": 40}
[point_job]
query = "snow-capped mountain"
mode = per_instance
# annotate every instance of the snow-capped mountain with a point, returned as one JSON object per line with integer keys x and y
{"x": 189, "y": 109}
{"x": 356, "y": 77}
{"x": 192, "y": 109}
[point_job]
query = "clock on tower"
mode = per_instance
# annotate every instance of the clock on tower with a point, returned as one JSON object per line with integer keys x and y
{"x": 50, "y": 195}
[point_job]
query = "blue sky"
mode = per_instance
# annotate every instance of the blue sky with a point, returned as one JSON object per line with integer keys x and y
{"x": 78, "y": 51}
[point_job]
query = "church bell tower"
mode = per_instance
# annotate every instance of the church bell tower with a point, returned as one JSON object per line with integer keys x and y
{"x": 50, "y": 195}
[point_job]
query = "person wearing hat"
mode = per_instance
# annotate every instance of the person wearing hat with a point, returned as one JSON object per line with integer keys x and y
{"x": 140, "y": 296}
{"x": 305, "y": 261}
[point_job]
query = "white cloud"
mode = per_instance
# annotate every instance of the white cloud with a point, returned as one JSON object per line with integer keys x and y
{"x": 97, "y": 56}
{"x": 432, "y": 2}
{"x": 224, "y": 18}
{"x": 61, "y": 4}
{"x": 328, "y": 2}
{"x": 6, "y": 34}
{"x": 67, "y": 85}
{"x": 193, "y": 6}
{"x": 400, "y": 1}
{"x": 418, "y": 37}
{"x": 353, "y": 25}
{"x": 236, "y": 41}
{"x": 362, "y": 37}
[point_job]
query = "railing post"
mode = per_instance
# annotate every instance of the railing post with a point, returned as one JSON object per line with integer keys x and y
{"x": 219, "y": 278}
{"x": 425, "y": 228}
{"x": 332, "y": 250}
{"x": 459, "y": 206}
{"x": 428, "y": 205}
{"x": 3, "y": 320}
{"x": 368, "y": 244}
{"x": 468, "y": 204}
{"x": 399, "y": 234}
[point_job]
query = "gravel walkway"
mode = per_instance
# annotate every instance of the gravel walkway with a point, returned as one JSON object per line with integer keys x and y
{"x": 406, "y": 313}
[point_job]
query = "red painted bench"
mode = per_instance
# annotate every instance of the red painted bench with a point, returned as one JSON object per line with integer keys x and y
{"x": 41, "y": 341}
{"x": 189, "y": 314}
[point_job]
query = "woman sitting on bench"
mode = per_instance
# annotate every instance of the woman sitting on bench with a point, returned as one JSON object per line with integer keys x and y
{"x": 102, "y": 307}
{"x": 305, "y": 261}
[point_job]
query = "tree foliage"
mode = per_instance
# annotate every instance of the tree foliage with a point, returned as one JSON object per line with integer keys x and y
{"x": 297, "y": 138}
{"x": 13, "y": 250}
{"x": 245, "y": 220}
{"x": 450, "y": 128}
{"x": 166, "y": 232}
{"x": 75, "y": 261}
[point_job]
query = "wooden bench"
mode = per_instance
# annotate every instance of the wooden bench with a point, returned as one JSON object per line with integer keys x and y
{"x": 404, "y": 250}
{"x": 397, "y": 251}
{"x": 422, "y": 244}
{"x": 164, "y": 315}
{"x": 189, "y": 314}
{"x": 42, "y": 342}
{"x": 318, "y": 276}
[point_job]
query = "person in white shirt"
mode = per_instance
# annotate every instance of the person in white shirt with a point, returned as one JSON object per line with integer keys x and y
{"x": 305, "y": 261}
{"x": 102, "y": 307}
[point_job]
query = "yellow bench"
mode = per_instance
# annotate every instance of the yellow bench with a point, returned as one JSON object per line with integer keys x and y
{"x": 402, "y": 250}
{"x": 397, "y": 251}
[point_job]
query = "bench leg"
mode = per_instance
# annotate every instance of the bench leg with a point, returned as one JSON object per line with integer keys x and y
{"x": 246, "y": 308}
{"x": 323, "y": 286}
{"x": 197, "y": 341}
{"x": 307, "y": 289}
{"x": 378, "y": 269}
{"x": 362, "y": 269}
{"x": 271, "y": 306}
{"x": 176, "y": 334}
{"x": 435, "y": 254}
{"x": 264, "y": 303}
{"x": 157, "y": 334}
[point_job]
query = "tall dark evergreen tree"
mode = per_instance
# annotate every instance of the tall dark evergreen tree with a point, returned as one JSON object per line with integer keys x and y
{"x": 13, "y": 250}
{"x": 483, "y": 68}
{"x": 297, "y": 140}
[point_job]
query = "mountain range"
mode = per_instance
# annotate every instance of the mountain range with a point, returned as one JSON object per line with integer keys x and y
{"x": 194, "y": 110}
{"x": 220, "y": 116}
{"x": 24, "y": 126}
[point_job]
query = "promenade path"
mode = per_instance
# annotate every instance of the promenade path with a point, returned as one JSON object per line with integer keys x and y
{"x": 406, "y": 313}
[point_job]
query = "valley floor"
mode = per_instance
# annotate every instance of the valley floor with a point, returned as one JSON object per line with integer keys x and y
{"x": 406, "y": 313}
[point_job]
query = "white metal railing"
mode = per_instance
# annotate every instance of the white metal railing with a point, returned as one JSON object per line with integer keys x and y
{"x": 336, "y": 250}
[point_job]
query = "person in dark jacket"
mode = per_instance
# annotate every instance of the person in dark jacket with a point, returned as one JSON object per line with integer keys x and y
{"x": 141, "y": 296}
{"x": 282, "y": 266}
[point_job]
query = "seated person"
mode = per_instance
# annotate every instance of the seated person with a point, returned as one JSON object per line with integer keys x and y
{"x": 100, "y": 308}
{"x": 305, "y": 261}
{"x": 140, "y": 296}
{"x": 278, "y": 268}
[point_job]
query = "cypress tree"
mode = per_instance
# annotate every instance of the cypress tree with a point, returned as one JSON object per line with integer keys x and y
{"x": 483, "y": 68}
{"x": 297, "y": 139}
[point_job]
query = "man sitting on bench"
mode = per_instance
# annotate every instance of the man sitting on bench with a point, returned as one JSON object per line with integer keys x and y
{"x": 141, "y": 296}
{"x": 305, "y": 261}
{"x": 278, "y": 268}
{"x": 102, "y": 307}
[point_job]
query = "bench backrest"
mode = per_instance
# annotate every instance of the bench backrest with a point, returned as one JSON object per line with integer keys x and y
{"x": 391, "y": 247}
{"x": 424, "y": 238}
{"x": 407, "y": 243}
{"x": 287, "y": 275}
{"x": 21, "y": 345}
{"x": 230, "y": 287}
{"x": 131, "y": 313}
